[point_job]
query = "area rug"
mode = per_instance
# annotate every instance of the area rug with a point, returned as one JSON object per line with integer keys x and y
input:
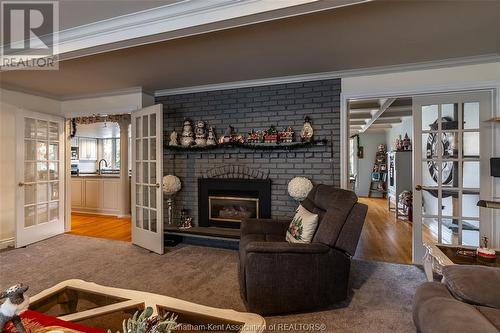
{"x": 380, "y": 301}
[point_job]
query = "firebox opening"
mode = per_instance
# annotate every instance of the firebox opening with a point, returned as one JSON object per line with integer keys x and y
{"x": 232, "y": 209}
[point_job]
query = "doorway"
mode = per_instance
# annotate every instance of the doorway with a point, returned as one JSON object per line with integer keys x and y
{"x": 380, "y": 172}
{"x": 99, "y": 175}
{"x": 450, "y": 145}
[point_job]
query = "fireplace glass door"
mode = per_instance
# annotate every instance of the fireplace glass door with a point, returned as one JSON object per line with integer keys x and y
{"x": 232, "y": 209}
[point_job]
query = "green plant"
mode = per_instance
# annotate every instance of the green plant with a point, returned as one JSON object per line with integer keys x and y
{"x": 146, "y": 323}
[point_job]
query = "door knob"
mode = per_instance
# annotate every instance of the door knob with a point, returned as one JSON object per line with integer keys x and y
{"x": 21, "y": 184}
{"x": 418, "y": 187}
{"x": 157, "y": 185}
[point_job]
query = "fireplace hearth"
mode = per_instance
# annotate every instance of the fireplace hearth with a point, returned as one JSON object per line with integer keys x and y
{"x": 224, "y": 202}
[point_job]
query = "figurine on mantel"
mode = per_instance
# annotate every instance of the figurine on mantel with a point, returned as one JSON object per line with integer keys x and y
{"x": 307, "y": 132}
{"x": 187, "y": 138}
{"x": 212, "y": 136}
{"x": 173, "y": 139}
{"x": 200, "y": 134}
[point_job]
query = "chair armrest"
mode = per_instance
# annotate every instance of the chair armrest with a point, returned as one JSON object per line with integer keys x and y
{"x": 264, "y": 226}
{"x": 284, "y": 247}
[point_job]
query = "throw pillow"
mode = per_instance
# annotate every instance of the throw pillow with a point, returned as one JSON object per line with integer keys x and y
{"x": 302, "y": 227}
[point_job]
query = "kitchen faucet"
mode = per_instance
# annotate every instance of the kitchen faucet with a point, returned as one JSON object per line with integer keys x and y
{"x": 99, "y": 171}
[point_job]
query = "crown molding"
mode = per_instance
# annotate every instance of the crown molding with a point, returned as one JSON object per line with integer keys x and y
{"x": 116, "y": 92}
{"x": 163, "y": 19}
{"x": 488, "y": 58}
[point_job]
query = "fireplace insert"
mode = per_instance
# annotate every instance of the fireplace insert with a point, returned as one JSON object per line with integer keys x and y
{"x": 224, "y": 202}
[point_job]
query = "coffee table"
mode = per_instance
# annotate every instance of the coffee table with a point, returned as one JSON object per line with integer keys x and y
{"x": 439, "y": 255}
{"x": 94, "y": 305}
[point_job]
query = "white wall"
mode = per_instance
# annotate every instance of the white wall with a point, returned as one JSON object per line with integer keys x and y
{"x": 393, "y": 133}
{"x": 455, "y": 78}
{"x": 109, "y": 104}
{"x": 369, "y": 141}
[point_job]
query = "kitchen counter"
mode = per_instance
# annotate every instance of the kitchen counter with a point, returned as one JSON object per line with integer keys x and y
{"x": 95, "y": 175}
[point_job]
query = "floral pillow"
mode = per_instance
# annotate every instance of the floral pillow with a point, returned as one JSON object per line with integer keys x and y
{"x": 302, "y": 227}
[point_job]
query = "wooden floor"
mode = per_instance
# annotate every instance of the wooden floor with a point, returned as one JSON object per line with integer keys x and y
{"x": 101, "y": 226}
{"x": 383, "y": 237}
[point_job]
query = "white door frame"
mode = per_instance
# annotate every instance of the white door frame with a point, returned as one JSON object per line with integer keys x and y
{"x": 23, "y": 240}
{"x": 493, "y": 86}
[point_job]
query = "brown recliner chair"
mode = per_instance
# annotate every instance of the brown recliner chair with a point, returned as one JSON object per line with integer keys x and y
{"x": 277, "y": 277}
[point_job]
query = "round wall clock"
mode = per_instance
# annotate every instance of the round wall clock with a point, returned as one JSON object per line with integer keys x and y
{"x": 445, "y": 143}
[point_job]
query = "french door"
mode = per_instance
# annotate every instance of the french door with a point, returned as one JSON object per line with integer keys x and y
{"x": 451, "y": 149}
{"x": 147, "y": 196}
{"x": 39, "y": 176}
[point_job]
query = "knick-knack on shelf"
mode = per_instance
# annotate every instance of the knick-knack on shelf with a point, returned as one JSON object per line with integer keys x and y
{"x": 406, "y": 142}
{"x": 307, "y": 132}
{"x": 271, "y": 135}
{"x": 200, "y": 134}
{"x": 288, "y": 135}
{"x": 229, "y": 135}
{"x": 187, "y": 138}
{"x": 173, "y": 139}
{"x": 212, "y": 136}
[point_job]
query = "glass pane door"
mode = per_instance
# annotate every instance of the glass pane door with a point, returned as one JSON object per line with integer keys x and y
{"x": 448, "y": 166}
{"x": 146, "y": 173}
{"x": 40, "y": 159}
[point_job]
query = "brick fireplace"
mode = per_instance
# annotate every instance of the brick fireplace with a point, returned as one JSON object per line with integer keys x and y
{"x": 256, "y": 108}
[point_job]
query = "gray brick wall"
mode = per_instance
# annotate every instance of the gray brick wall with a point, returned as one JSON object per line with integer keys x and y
{"x": 257, "y": 108}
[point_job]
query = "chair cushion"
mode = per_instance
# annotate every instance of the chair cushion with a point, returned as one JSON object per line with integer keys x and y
{"x": 302, "y": 227}
{"x": 477, "y": 285}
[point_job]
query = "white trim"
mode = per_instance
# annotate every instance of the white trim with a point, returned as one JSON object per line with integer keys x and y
{"x": 172, "y": 17}
{"x": 5, "y": 243}
{"x": 107, "y": 93}
{"x": 446, "y": 88}
{"x": 487, "y": 58}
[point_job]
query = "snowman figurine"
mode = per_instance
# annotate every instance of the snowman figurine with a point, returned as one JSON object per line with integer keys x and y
{"x": 200, "y": 134}
{"x": 187, "y": 134}
{"x": 212, "y": 137}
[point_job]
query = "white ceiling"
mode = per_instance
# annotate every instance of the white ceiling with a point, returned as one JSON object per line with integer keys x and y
{"x": 98, "y": 130}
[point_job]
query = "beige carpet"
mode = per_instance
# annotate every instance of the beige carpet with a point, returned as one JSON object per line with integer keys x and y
{"x": 381, "y": 300}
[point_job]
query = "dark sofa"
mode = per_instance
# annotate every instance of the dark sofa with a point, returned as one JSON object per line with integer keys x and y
{"x": 277, "y": 277}
{"x": 467, "y": 301}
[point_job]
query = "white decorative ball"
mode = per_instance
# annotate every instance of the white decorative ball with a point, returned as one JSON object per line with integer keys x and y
{"x": 299, "y": 188}
{"x": 171, "y": 184}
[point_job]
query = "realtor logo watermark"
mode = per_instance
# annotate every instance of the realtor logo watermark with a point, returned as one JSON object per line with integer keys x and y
{"x": 29, "y": 35}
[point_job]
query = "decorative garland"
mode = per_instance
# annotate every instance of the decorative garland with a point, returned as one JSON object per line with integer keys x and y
{"x": 112, "y": 118}
{"x": 254, "y": 146}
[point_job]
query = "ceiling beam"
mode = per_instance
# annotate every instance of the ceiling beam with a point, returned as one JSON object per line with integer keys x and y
{"x": 377, "y": 114}
{"x": 364, "y": 115}
{"x": 388, "y": 121}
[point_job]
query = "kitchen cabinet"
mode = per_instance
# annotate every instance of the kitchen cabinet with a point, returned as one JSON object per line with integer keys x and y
{"x": 87, "y": 149}
{"x": 95, "y": 194}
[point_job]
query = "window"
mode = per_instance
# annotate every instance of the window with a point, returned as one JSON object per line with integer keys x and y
{"x": 111, "y": 153}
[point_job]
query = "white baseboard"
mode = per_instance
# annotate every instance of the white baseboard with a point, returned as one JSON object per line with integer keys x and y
{"x": 4, "y": 243}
